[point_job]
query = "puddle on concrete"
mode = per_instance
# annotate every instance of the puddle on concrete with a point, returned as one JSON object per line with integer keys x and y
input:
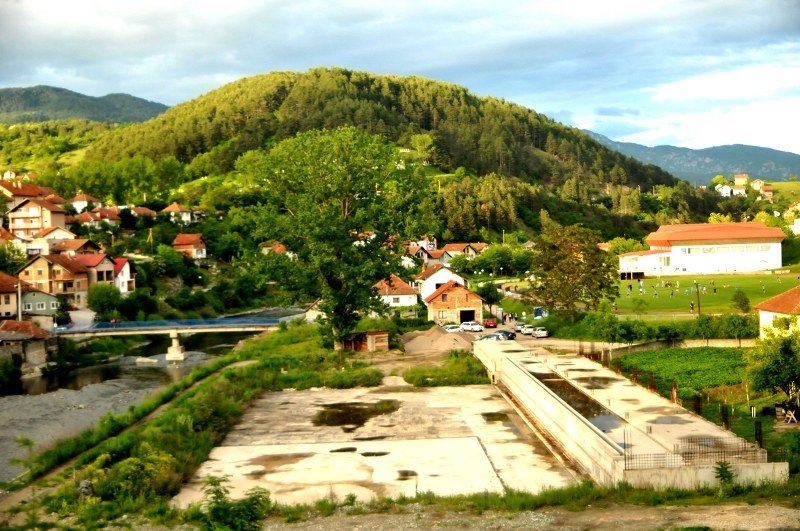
{"x": 353, "y": 415}
{"x": 495, "y": 416}
{"x": 630, "y": 400}
{"x": 342, "y": 450}
{"x": 374, "y": 454}
{"x": 404, "y": 475}
{"x": 669, "y": 419}
{"x": 595, "y": 382}
{"x": 371, "y": 437}
{"x": 602, "y": 418}
{"x": 271, "y": 462}
{"x": 581, "y": 370}
{"x": 658, "y": 409}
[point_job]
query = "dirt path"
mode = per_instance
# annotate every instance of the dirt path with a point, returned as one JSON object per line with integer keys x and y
{"x": 616, "y": 518}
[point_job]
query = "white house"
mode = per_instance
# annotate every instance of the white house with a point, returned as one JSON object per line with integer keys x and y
{"x": 785, "y": 305}
{"x": 81, "y": 201}
{"x": 434, "y": 277}
{"x": 396, "y": 292}
{"x": 724, "y": 190}
{"x": 124, "y": 276}
{"x": 706, "y": 248}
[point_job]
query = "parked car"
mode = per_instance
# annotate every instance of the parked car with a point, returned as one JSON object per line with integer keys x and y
{"x": 451, "y": 328}
{"x": 527, "y": 330}
{"x": 494, "y": 336}
{"x": 509, "y": 334}
{"x": 471, "y": 326}
{"x": 518, "y": 326}
{"x": 490, "y": 323}
{"x": 63, "y": 327}
{"x": 540, "y": 331}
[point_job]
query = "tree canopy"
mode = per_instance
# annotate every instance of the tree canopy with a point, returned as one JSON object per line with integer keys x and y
{"x": 570, "y": 269}
{"x": 338, "y": 201}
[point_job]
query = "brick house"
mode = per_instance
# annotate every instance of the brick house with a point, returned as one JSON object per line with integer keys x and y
{"x": 74, "y": 247}
{"x": 99, "y": 267}
{"x": 58, "y": 274}
{"x": 32, "y": 215}
{"x": 16, "y": 192}
{"x": 192, "y": 245}
{"x": 453, "y": 303}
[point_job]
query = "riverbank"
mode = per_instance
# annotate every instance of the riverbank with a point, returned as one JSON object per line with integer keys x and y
{"x": 49, "y": 417}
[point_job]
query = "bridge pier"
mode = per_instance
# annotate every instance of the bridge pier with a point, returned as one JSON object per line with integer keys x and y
{"x": 175, "y": 352}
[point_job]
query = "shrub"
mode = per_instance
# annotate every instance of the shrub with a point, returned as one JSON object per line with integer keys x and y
{"x": 461, "y": 368}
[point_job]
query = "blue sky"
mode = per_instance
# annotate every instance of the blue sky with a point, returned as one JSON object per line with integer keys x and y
{"x": 693, "y": 73}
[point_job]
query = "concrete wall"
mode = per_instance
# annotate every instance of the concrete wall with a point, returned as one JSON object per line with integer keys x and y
{"x": 597, "y": 455}
{"x": 693, "y": 477}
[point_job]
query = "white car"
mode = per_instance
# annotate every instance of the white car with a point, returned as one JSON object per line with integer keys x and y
{"x": 526, "y": 330}
{"x": 472, "y": 326}
{"x": 540, "y": 331}
{"x": 451, "y": 328}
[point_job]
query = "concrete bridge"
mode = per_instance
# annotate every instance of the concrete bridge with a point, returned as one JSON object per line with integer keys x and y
{"x": 174, "y": 328}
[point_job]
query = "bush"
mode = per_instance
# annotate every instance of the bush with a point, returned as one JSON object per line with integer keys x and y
{"x": 461, "y": 368}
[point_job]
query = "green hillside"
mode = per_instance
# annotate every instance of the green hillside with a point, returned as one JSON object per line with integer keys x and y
{"x": 43, "y": 103}
{"x": 481, "y": 134}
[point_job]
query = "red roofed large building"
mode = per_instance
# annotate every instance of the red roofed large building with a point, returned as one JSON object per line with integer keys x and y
{"x": 396, "y": 292}
{"x": 706, "y": 248}
{"x": 58, "y": 274}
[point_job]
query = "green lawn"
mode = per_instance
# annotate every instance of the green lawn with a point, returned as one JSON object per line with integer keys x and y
{"x": 659, "y": 299}
{"x": 673, "y": 303}
{"x": 786, "y": 190}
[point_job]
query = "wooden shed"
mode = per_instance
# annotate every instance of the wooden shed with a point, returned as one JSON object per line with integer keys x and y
{"x": 373, "y": 341}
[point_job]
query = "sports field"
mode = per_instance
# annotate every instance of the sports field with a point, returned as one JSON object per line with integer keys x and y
{"x": 716, "y": 292}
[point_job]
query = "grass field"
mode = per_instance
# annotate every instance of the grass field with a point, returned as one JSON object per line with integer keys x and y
{"x": 786, "y": 190}
{"x": 663, "y": 303}
{"x": 659, "y": 299}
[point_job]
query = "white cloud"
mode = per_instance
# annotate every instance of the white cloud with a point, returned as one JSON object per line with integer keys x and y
{"x": 764, "y": 123}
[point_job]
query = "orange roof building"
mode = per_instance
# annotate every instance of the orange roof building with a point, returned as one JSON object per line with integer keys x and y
{"x": 192, "y": 245}
{"x": 396, "y": 292}
{"x": 785, "y": 306}
{"x": 453, "y": 303}
{"x": 706, "y": 248}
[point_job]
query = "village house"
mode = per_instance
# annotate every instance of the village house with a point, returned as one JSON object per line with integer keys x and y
{"x": 96, "y": 218}
{"x": 179, "y": 214}
{"x": 100, "y": 267}
{"x": 124, "y": 276}
{"x": 16, "y": 192}
{"x": 757, "y": 184}
{"x": 739, "y": 190}
{"x": 724, "y": 190}
{"x": 144, "y": 212}
{"x": 435, "y": 276}
{"x": 453, "y": 303}
{"x": 58, "y": 274}
{"x": 55, "y": 199}
{"x": 42, "y": 241}
{"x": 32, "y": 215}
{"x": 74, "y": 247}
{"x": 466, "y": 249}
{"x": 26, "y": 340}
{"x": 396, "y": 292}
{"x": 766, "y": 192}
{"x": 192, "y": 245}
{"x": 779, "y": 314}
{"x": 741, "y": 179}
{"x": 704, "y": 249}
{"x": 81, "y": 201}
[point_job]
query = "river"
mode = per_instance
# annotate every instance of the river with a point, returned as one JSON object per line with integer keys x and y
{"x": 53, "y": 407}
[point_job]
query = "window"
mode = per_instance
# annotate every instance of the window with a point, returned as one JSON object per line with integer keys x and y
{"x": 765, "y": 247}
{"x": 395, "y": 300}
{"x": 27, "y": 306}
{"x": 6, "y": 299}
{"x": 444, "y": 297}
{"x": 41, "y": 306}
{"x": 27, "y": 272}
{"x": 38, "y": 272}
{"x": 54, "y": 305}
{"x": 442, "y": 314}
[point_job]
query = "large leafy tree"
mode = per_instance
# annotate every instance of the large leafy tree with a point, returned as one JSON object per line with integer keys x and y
{"x": 570, "y": 269}
{"x": 774, "y": 364}
{"x": 338, "y": 201}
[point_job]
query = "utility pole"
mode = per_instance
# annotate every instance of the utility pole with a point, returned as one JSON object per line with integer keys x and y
{"x": 19, "y": 301}
{"x": 697, "y": 291}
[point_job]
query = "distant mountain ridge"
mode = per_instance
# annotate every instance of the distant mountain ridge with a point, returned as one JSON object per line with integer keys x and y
{"x": 699, "y": 166}
{"x": 42, "y": 103}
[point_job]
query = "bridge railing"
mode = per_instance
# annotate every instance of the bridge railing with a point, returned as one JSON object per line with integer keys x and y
{"x": 186, "y": 323}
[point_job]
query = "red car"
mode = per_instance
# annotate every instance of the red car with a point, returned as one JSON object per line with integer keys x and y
{"x": 490, "y": 323}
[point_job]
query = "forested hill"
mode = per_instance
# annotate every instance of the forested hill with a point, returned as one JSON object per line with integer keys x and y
{"x": 481, "y": 134}
{"x": 42, "y": 103}
{"x": 701, "y": 165}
